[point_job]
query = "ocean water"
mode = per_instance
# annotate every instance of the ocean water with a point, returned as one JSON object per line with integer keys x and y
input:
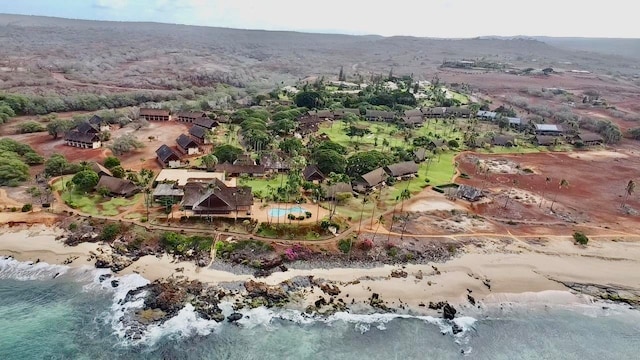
{"x": 53, "y": 312}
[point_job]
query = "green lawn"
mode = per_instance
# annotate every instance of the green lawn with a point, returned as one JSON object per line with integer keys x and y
{"x": 92, "y": 204}
{"x": 110, "y": 208}
{"x": 263, "y": 185}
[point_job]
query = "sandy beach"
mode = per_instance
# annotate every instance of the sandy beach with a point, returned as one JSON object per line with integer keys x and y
{"x": 495, "y": 272}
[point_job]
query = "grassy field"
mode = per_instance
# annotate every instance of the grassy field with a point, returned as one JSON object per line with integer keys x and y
{"x": 263, "y": 186}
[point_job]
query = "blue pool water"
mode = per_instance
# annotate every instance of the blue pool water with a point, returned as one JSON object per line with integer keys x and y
{"x": 277, "y": 212}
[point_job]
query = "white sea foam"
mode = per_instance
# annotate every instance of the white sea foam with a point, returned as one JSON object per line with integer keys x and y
{"x": 11, "y": 268}
{"x": 185, "y": 324}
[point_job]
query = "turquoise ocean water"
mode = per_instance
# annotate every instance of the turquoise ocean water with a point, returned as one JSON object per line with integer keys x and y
{"x": 52, "y": 312}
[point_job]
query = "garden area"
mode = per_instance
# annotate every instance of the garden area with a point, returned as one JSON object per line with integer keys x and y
{"x": 93, "y": 204}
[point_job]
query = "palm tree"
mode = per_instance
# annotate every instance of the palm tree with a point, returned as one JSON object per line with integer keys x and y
{"x": 547, "y": 181}
{"x": 563, "y": 184}
{"x": 515, "y": 183}
{"x": 365, "y": 199}
{"x": 629, "y": 189}
{"x": 210, "y": 161}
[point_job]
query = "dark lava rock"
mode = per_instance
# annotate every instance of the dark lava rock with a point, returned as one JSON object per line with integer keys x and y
{"x": 320, "y": 302}
{"x": 436, "y": 306}
{"x": 234, "y": 317}
{"x": 456, "y": 329}
{"x": 104, "y": 277}
{"x": 448, "y": 312}
{"x": 471, "y": 299}
{"x": 399, "y": 273}
{"x": 261, "y": 273}
{"x": 331, "y": 290}
{"x": 115, "y": 283}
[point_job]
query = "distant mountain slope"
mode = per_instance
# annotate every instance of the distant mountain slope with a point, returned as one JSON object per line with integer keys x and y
{"x": 621, "y": 47}
{"x": 154, "y": 55}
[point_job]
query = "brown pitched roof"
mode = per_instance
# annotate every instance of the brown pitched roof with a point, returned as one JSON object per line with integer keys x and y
{"x": 375, "y": 177}
{"x": 191, "y": 114}
{"x": 420, "y": 154}
{"x": 589, "y": 137}
{"x": 503, "y": 140}
{"x": 220, "y": 197}
{"x": 402, "y": 168}
{"x": 311, "y": 172}
{"x": 77, "y": 136}
{"x": 205, "y": 122}
{"x": 545, "y": 140}
{"x": 240, "y": 169}
{"x": 413, "y": 112}
{"x": 87, "y": 128}
{"x": 412, "y": 120}
{"x": 380, "y": 114}
{"x": 154, "y": 112}
{"x": 338, "y": 188}
{"x": 119, "y": 187}
{"x": 100, "y": 170}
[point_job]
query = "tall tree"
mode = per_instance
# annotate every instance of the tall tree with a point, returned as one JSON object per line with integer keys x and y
{"x": 561, "y": 185}
{"x": 210, "y": 161}
{"x": 629, "y": 189}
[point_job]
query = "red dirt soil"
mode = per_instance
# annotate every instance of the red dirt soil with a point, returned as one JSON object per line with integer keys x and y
{"x": 597, "y": 182}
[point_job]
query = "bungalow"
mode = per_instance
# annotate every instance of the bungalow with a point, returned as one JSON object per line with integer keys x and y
{"x": 206, "y": 123}
{"x": 413, "y": 121}
{"x": 187, "y": 145}
{"x": 308, "y": 124}
{"x": 181, "y": 177}
{"x": 275, "y": 162}
{"x": 81, "y": 140}
{"x": 340, "y": 113}
{"x": 154, "y": 114}
{"x": 420, "y": 154}
{"x": 237, "y": 170}
{"x": 548, "y": 129}
{"x": 172, "y": 191}
{"x": 469, "y": 193}
{"x": 167, "y": 157}
{"x": 331, "y": 191}
{"x": 244, "y": 159}
{"x": 190, "y": 116}
{"x": 100, "y": 170}
{"x": 100, "y": 123}
{"x": 322, "y": 114}
{"x": 402, "y": 169}
{"x": 370, "y": 180}
{"x": 377, "y": 115}
{"x": 87, "y": 128}
{"x": 199, "y": 135}
{"x": 436, "y": 144}
{"x": 486, "y": 115}
{"x": 589, "y": 139}
{"x": 458, "y": 112}
{"x": 542, "y": 140}
{"x": 436, "y": 112}
{"x": 312, "y": 173}
{"x": 117, "y": 187}
{"x": 216, "y": 198}
{"x": 503, "y": 140}
{"x": 413, "y": 112}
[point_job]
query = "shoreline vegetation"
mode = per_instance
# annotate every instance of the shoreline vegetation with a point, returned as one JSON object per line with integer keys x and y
{"x": 478, "y": 274}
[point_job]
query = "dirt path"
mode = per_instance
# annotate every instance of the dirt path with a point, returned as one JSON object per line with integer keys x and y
{"x": 61, "y": 78}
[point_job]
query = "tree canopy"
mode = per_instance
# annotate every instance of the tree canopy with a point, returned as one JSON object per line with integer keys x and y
{"x": 85, "y": 180}
{"x": 309, "y": 99}
{"x": 329, "y": 161}
{"x": 361, "y": 163}
{"x": 227, "y": 153}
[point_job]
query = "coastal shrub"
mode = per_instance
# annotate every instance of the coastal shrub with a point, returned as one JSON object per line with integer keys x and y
{"x": 180, "y": 244}
{"x": 344, "y": 245}
{"x": 73, "y": 226}
{"x": 291, "y": 216}
{"x": 453, "y": 144}
{"x": 580, "y": 238}
{"x": 301, "y": 217}
{"x": 110, "y": 232}
{"x": 366, "y": 244}
{"x": 307, "y": 214}
{"x": 27, "y": 207}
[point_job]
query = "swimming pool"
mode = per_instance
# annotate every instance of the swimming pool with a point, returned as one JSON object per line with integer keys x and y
{"x": 277, "y": 212}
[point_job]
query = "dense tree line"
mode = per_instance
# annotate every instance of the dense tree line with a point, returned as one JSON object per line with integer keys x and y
{"x": 15, "y": 159}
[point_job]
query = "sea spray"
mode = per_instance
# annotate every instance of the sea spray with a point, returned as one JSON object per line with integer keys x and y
{"x": 11, "y": 268}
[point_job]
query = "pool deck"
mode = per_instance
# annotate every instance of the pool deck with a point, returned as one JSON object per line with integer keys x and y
{"x": 260, "y": 212}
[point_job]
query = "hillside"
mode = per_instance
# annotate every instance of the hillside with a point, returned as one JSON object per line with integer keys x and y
{"x": 164, "y": 56}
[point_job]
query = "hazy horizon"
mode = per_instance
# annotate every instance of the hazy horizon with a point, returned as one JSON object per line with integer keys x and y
{"x": 459, "y": 19}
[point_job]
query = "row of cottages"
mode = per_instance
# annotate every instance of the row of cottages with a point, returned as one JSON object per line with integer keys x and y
{"x": 189, "y": 116}
{"x": 155, "y": 114}
{"x": 497, "y": 140}
{"x": 229, "y": 169}
{"x": 167, "y": 157}
{"x": 187, "y": 145}
{"x": 86, "y": 134}
{"x": 548, "y": 129}
{"x": 487, "y": 115}
{"x": 441, "y": 112}
{"x": 335, "y": 114}
{"x": 373, "y": 179}
{"x": 379, "y": 115}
